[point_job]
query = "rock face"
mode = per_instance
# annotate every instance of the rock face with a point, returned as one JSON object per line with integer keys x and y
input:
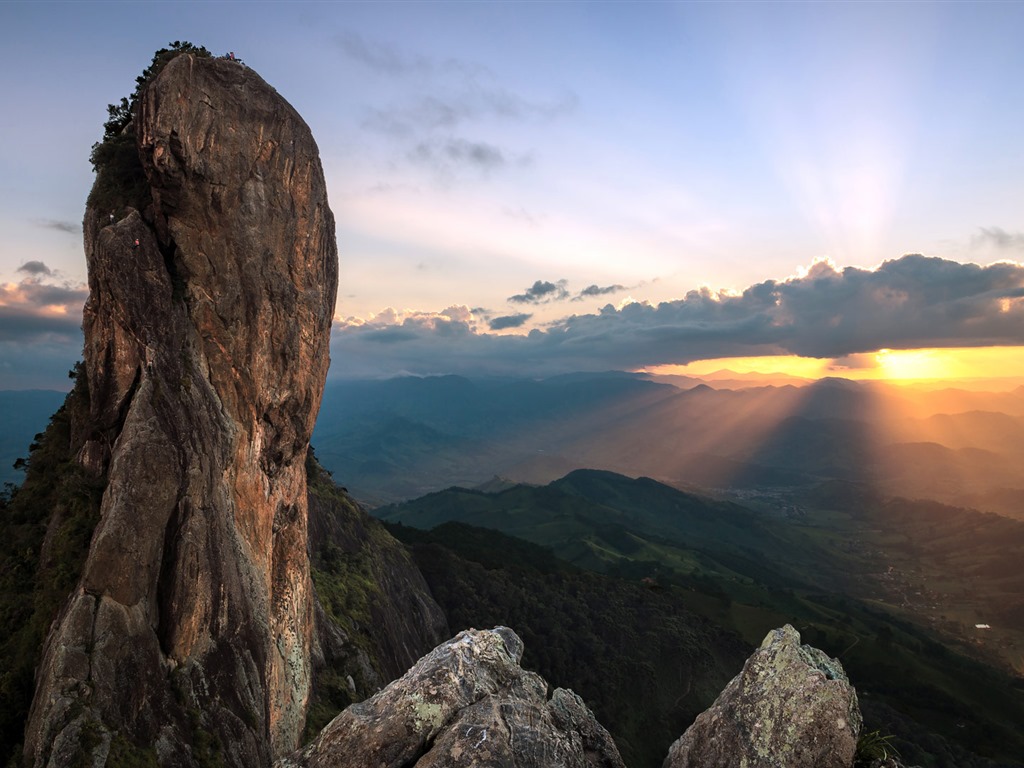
{"x": 206, "y": 349}
{"x": 791, "y": 707}
{"x": 466, "y": 703}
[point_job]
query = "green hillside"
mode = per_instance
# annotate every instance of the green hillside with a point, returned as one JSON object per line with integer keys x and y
{"x": 748, "y": 572}
{"x": 644, "y": 662}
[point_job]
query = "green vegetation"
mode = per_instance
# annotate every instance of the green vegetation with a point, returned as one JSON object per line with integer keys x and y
{"x": 643, "y": 662}
{"x": 346, "y": 578}
{"x": 331, "y": 694}
{"x": 874, "y": 746}
{"x": 58, "y": 504}
{"x": 89, "y": 740}
{"x": 750, "y": 572}
{"x": 120, "y": 178}
{"x": 347, "y": 571}
{"x": 124, "y": 754}
{"x": 346, "y": 585}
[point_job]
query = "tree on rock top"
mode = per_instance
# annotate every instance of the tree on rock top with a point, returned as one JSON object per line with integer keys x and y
{"x": 120, "y": 180}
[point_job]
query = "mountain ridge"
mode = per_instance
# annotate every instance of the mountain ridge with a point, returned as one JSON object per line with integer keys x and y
{"x": 788, "y": 569}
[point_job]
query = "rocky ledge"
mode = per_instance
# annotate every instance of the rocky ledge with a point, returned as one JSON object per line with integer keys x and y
{"x": 466, "y": 703}
{"x": 791, "y": 706}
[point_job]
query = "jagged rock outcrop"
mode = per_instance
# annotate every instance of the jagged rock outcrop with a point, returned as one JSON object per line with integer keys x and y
{"x": 466, "y": 703}
{"x": 791, "y": 707}
{"x": 206, "y": 349}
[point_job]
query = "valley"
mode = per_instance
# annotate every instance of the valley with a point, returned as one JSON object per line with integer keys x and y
{"x": 882, "y": 521}
{"x": 871, "y": 580}
{"x": 402, "y": 438}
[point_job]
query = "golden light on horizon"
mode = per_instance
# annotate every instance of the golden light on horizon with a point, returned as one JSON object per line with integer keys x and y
{"x": 898, "y": 365}
{"x": 913, "y": 364}
{"x": 789, "y": 365}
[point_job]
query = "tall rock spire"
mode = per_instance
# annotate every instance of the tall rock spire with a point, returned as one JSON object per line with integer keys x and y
{"x": 206, "y": 349}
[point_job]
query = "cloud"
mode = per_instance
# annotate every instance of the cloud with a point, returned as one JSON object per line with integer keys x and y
{"x": 854, "y": 362}
{"x": 440, "y": 110}
{"x": 35, "y": 268}
{"x": 444, "y": 156}
{"x": 542, "y": 292}
{"x": 826, "y": 312}
{"x": 33, "y": 310}
{"x": 40, "y": 329}
{"x": 61, "y": 226}
{"x": 378, "y": 56}
{"x": 509, "y": 321}
{"x": 456, "y": 319}
{"x": 999, "y": 238}
{"x": 594, "y": 290}
{"x": 523, "y": 215}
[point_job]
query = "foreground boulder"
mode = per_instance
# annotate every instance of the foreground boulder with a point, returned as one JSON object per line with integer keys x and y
{"x": 466, "y": 703}
{"x": 188, "y": 639}
{"x": 791, "y": 707}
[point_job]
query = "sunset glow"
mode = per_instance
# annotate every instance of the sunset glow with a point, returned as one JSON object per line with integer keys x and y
{"x": 899, "y": 365}
{"x": 583, "y": 207}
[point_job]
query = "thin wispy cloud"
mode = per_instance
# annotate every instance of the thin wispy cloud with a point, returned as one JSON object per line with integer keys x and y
{"x": 60, "y": 226}
{"x": 1000, "y": 239}
{"x": 446, "y": 156}
{"x": 827, "y": 313}
{"x": 445, "y": 121}
{"x": 523, "y": 215}
{"x": 593, "y": 291}
{"x": 379, "y": 56}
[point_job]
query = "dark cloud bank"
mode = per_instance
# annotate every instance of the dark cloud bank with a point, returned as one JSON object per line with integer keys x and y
{"x": 906, "y": 303}
{"x": 40, "y": 329}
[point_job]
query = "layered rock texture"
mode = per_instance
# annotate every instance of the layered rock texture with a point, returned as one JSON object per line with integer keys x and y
{"x": 466, "y": 703}
{"x": 791, "y": 707}
{"x": 206, "y": 349}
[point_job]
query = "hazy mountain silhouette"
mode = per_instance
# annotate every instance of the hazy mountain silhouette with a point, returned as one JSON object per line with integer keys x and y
{"x": 756, "y": 437}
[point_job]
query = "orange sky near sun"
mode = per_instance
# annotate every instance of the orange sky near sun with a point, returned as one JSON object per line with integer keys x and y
{"x": 902, "y": 365}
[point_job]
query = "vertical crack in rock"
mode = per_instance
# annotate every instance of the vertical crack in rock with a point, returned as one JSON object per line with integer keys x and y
{"x": 206, "y": 349}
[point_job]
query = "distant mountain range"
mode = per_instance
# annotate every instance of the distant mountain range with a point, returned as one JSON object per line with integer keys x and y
{"x": 24, "y": 413}
{"x": 405, "y": 437}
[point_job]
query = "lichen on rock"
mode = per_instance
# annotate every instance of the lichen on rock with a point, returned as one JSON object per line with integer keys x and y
{"x": 466, "y": 703}
{"x": 791, "y": 706}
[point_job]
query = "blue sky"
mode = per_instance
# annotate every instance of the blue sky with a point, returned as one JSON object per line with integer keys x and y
{"x": 501, "y": 168}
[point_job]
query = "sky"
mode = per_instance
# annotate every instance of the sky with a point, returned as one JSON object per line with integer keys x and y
{"x": 542, "y": 187}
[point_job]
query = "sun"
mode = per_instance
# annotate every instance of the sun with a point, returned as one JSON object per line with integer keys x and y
{"x": 913, "y": 364}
